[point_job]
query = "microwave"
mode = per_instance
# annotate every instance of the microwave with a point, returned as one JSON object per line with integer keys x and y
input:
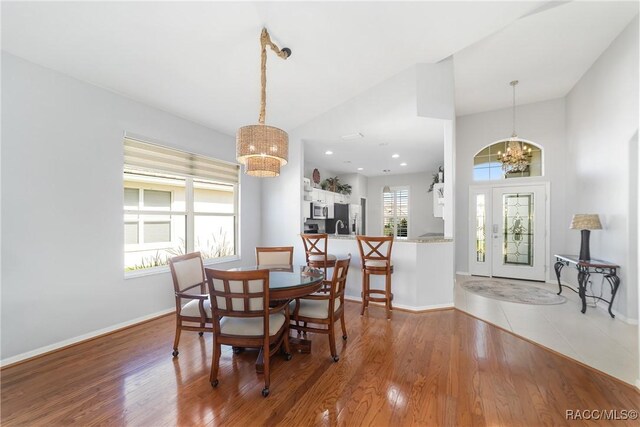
{"x": 319, "y": 210}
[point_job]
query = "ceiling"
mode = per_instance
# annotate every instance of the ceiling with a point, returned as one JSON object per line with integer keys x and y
{"x": 200, "y": 60}
{"x": 386, "y": 117}
{"x": 548, "y": 52}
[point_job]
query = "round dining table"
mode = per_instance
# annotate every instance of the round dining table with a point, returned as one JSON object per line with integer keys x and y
{"x": 288, "y": 283}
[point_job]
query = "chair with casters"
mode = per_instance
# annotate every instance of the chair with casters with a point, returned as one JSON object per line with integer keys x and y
{"x": 274, "y": 256}
{"x": 375, "y": 256}
{"x": 324, "y": 309}
{"x": 189, "y": 283}
{"x": 242, "y": 317}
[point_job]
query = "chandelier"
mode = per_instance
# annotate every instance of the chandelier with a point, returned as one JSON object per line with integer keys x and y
{"x": 260, "y": 148}
{"x": 517, "y": 156}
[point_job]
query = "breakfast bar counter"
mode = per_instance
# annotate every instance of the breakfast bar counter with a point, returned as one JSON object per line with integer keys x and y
{"x": 423, "y": 275}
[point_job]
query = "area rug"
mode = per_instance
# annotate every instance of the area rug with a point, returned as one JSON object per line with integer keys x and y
{"x": 513, "y": 292}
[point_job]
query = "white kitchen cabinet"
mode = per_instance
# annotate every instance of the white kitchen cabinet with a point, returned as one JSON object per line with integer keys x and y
{"x": 306, "y": 210}
{"x": 317, "y": 195}
{"x": 330, "y": 197}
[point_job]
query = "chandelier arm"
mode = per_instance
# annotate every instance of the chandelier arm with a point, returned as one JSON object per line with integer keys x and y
{"x": 284, "y": 53}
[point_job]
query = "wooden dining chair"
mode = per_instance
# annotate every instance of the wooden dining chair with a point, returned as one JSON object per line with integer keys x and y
{"x": 324, "y": 309}
{"x": 315, "y": 249}
{"x": 242, "y": 317}
{"x": 189, "y": 284}
{"x": 375, "y": 256}
{"x": 274, "y": 255}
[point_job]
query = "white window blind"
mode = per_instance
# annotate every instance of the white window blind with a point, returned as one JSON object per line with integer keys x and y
{"x": 154, "y": 158}
{"x": 396, "y": 212}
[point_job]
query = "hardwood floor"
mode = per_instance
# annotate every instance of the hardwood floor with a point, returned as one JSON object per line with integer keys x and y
{"x": 444, "y": 368}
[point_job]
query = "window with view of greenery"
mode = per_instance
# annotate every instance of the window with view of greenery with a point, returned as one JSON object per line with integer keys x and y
{"x": 395, "y": 211}
{"x": 168, "y": 214}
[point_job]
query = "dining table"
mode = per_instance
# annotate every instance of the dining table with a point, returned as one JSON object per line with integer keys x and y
{"x": 286, "y": 283}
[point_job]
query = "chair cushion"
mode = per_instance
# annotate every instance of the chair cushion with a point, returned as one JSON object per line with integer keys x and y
{"x": 191, "y": 309}
{"x": 376, "y": 263}
{"x": 251, "y": 326}
{"x": 321, "y": 257}
{"x": 317, "y": 309}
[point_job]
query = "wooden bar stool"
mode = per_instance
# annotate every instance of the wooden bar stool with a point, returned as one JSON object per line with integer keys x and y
{"x": 375, "y": 262}
{"x": 315, "y": 249}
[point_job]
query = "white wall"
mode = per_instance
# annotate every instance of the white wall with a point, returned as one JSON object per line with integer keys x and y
{"x": 282, "y": 203}
{"x": 358, "y": 183}
{"x": 62, "y": 190}
{"x": 542, "y": 123}
{"x": 602, "y": 126}
{"x": 421, "y": 219}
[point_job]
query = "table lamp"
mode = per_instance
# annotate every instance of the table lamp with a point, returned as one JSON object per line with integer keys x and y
{"x": 585, "y": 223}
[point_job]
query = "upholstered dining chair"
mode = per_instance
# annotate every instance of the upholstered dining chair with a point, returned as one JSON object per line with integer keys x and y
{"x": 375, "y": 256}
{"x": 324, "y": 309}
{"x": 242, "y": 317}
{"x": 189, "y": 283}
{"x": 274, "y": 255}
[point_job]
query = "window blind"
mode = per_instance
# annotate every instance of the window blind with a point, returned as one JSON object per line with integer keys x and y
{"x": 154, "y": 158}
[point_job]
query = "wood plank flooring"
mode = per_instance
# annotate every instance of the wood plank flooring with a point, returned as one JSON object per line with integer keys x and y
{"x": 430, "y": 369}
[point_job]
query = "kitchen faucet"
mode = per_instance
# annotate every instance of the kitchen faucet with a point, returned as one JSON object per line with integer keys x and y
{"x": 338, "y": 222}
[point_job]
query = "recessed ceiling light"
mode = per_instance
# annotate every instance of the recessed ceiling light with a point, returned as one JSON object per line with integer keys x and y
{"x": 360, "y": 169}
{"x": 328, "y": 152}
{"x": 395, "y": 156}
{"x": 403, "y": 164}
{"x": 352, "y": 136}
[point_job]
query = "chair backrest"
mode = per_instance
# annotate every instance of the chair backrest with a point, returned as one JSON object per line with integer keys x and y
{"x": 239, "y": 293}
{"x": 375, "y": 248}
{"x": 277, "y": 255}
{"x": 315, "y": 244}
{"x": 187, "y": 272}
{"x": 339, "y": 279}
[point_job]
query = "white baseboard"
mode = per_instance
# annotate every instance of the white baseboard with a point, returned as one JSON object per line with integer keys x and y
{"x": 638, "y": 383}
{"x": 75, "y": 340}
{"x": 463, "y": 273}
{"x": 405, "y": 307}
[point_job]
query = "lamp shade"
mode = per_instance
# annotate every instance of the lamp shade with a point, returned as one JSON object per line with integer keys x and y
{"x": 386, "y": 189}
{"x": 586, "y": 222}
{"x": 262, "y": 149}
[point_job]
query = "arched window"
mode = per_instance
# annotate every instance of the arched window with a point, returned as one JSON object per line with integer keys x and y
{"x": 488, "y": 164}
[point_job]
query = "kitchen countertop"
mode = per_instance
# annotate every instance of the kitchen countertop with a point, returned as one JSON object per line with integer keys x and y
{"x": 422, "y": 239}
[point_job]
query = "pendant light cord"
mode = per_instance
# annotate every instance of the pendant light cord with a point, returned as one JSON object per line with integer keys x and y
{"x": 284, "y": 53}
{"x": 513, "y": 84}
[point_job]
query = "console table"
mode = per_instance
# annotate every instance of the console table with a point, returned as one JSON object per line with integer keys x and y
{"x": 585, "y": 270}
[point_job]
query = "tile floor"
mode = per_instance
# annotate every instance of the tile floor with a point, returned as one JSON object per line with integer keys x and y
{"x": 593, "y": 338}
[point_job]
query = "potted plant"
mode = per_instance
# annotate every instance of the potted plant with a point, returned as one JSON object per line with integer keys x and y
{"x": 333, "y": 183}
{"x": 344, "y": 189}
{"x": 437, "y": 178}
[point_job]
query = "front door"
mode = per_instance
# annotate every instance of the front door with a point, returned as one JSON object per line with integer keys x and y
{"x": 507, "y": 236}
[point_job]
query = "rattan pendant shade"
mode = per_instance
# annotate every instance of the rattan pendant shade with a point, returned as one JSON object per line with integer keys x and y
{"x": 260, "y": 148}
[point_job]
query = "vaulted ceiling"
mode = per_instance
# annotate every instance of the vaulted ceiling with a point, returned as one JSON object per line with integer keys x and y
{"x": 200, "y": 60}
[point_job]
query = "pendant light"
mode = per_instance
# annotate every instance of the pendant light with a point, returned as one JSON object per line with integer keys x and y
{"x": 260, "y": 148}
{"x": 518, "y": 156}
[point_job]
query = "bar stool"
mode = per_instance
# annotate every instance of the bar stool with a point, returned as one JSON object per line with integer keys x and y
{"x": 315, "y": 249}
{"x": 374, "y": 262}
